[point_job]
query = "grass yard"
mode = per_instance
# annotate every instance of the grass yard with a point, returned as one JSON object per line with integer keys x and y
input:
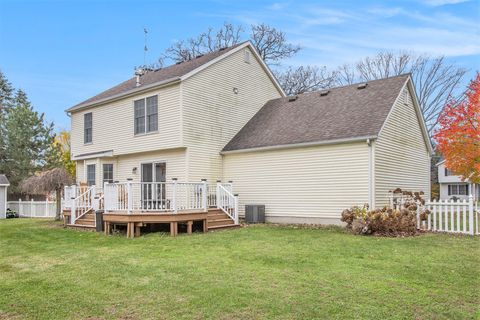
{"x": 47, "y": 272}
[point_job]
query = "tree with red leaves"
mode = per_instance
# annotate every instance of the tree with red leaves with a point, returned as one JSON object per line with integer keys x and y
{"x": 458, "y": 135}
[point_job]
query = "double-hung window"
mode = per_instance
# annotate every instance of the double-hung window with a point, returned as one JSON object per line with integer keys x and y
{"x": 107, "y": 172}
{"x": 146, "y": 115}
{"x": 458, "y": 189}
{"x": 91, "y": 175}
{"x": 87, "y": 127}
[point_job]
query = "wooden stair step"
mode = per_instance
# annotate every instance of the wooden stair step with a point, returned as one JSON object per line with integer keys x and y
{"x": 220, "y": 222}
{"x": 81, "y": 226}
{"x": 213, "y": 228}
{"x": 217, "y": 217}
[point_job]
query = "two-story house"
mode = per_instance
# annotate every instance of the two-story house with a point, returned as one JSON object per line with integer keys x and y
{"x": 223, "y": 116}
{"x": 453, "y": 187}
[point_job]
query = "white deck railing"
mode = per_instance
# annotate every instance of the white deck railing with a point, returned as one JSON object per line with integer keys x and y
{"x": 228, "y": 202}
{"x": 132, "y": 197}
{"x": 155, "y": 196}
{"x": 83, "y": 203}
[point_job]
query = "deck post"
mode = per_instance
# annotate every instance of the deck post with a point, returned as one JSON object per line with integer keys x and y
{"x": 73, "y": 212}
{"x": 236, "y": 208}
{"x": 129, "y": 195}
{"x": 106, "y": 203}
{"x": 204, "y": 195}
{"x": 217, "y": 195}
{"x": 174, "y": 195}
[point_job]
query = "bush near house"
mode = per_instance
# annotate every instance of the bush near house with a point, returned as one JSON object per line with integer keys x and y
{"x": 399, "y": 221}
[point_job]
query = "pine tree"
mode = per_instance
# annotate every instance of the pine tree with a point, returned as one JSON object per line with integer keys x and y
{"x": 6, "y": 98}
{"x": 28, "y": 141}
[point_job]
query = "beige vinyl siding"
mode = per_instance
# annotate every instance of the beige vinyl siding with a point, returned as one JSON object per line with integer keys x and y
{"x": 175, "y": 164}
{"x": 401, "y": 155}
{"x": 304, "y": 185}
{"x": 213, "y": 113}
{"x": 123, "y": 165}
{"x": 113, "y": 125}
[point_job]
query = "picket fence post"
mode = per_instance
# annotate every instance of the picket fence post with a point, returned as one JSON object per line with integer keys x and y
{"x": 470, "y": 214}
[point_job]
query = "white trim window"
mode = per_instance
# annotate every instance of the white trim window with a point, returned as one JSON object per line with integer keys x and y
{"x": 90, "y": 175}
{"x": 146, "y": 115}
{"x": 458, "y": 189}
{"x": 107, "y": 172}
{"x": 87, "y": 127}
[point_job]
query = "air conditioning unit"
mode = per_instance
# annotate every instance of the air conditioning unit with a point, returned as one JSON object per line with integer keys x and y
{"x": 255, "y": 213}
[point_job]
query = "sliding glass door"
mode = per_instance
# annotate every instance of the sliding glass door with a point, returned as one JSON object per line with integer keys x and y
{"x": 153, "y": 186}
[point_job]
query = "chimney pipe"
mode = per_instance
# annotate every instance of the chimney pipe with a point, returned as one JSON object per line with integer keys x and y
{"x": 138, "y": 73}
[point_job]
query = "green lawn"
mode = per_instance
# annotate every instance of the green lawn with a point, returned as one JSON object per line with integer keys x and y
{"x": 47, "y": 272}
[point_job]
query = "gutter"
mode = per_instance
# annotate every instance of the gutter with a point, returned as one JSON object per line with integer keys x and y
{"x": 300, "y": 145}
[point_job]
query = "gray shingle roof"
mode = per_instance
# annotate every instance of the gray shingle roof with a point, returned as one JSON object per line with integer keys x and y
{"x": 4, "y": 180}
{"x": 344, "y": 113}
{"x": 159, "y": 75}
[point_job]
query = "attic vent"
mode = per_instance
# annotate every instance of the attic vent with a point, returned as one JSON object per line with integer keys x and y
{"x": 292, "y": 98}
{"x": 362, "y": 85}
{"x": 324, "y": 93}
{"x": 199, "y": 56}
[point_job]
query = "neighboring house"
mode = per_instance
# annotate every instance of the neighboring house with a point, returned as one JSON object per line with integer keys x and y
{"x": 452, "y": 186}
{"x": 223, "y": 116}
{"x": 4, "y": 184}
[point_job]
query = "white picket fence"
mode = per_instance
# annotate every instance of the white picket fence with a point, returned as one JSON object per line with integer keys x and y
{"x": 33, "y": 209}
{"x": 451, "y": 216}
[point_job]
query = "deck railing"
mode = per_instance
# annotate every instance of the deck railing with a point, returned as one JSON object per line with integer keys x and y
{"x": 83, "y": 203}
{"x": 227, "y": 202}
{"x": 132, "y": 197}
{"x": 155, "y": 196}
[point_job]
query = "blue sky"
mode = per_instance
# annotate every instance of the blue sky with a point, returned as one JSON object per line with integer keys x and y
{"x": 62, "y": 52}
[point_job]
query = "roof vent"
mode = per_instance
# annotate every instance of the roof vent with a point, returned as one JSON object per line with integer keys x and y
{"x": 199, "y": 56}
{"x": 138, "y": 73}
{"x": 324, "y": 93}
{"x": 221, "y": 49}
{"x": 178, "y": 62}
{"x": 292, "y": 98}
{"x": 362, "y": 85}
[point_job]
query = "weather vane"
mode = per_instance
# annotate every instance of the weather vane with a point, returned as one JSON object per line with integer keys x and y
{"x": 145, "y": 48}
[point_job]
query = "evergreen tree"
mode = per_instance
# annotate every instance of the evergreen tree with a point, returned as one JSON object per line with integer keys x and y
{"x": 27, "y": 140}
{"x": 6, "y": 98}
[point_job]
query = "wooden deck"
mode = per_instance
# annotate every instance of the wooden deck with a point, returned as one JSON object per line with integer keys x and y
{"x": 213, "y": 219}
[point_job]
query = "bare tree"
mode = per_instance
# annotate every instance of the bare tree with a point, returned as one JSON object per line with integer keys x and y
{"x": 270, "y": 43}
{"x": 209, "y": 41}
{"x": 435, "y": 79}
{"x": 304, "y": 79}
{"x": 48, "y": 181}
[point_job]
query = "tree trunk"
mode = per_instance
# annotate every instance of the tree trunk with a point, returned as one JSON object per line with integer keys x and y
{"x": 58, "y": 196}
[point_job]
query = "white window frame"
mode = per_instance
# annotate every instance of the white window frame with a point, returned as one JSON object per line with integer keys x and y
{"x": 103, "y": 172}
{"x": 454, "y": 190}
{"x": 94, "y": 174}
{"x": 145, "y": 117}
{"x": 89, "y": 128}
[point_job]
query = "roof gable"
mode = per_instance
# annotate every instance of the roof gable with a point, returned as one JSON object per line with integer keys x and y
{"x": 3, "y": 180}
{"x": 345, "y": 113}
{"x": 173, "y": 73}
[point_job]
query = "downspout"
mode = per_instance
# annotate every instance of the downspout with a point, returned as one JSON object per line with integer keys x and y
{"x": 371, "y": 173}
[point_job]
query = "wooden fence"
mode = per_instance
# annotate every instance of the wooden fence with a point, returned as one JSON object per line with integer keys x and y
{"x": 33, "y": 209}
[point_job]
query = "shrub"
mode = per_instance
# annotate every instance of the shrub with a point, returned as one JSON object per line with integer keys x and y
{"x": 400, "y": 220}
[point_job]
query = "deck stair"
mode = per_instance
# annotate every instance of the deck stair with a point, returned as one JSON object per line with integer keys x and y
{"x": 217, "y": 219}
